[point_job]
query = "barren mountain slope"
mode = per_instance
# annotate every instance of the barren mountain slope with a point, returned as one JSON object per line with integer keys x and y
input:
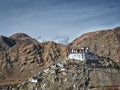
{"x": 26, "y": 57}
{"x": 104, "y": 43}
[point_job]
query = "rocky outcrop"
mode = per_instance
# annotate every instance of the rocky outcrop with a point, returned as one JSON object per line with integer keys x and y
{"x": 104, "y": 43}
{"x": 6, "y": 43}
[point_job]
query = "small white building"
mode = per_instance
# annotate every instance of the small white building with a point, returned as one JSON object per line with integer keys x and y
{"x": 63, "y": 69}
{"x": 82, "y": 54}
{"x": 77, "y": 56}
{"x": 34, "y": 80}
{"x": 46, "y": 71}
{"x": 60, "y": 65}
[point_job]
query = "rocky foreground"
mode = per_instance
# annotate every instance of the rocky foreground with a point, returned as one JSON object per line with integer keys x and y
{"x": 74, "y": 75}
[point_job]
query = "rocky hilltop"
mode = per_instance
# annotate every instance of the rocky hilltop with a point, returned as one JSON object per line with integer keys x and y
{"x": 104, "y": 43}
{"x": 22, "y": 56}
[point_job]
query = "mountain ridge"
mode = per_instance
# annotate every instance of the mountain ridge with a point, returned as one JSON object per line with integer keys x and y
{"x": 104, "y": 43}
{"x": 20, "y": 61}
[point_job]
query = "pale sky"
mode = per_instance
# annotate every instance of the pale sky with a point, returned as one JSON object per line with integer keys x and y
{"x": 57, "y": 20}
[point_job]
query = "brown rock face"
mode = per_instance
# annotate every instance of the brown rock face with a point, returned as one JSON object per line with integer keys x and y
{"x": 104, "y": 43}
{"x": 6, "y": 43}
{"x": 22, "y": 56}
{"x": 20, "y": 36}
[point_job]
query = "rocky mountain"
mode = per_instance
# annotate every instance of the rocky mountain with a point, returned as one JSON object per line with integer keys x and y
{"x": 104, "y": 43}
{"x": 22, "y": 56}
{"x": 26, "y": 64}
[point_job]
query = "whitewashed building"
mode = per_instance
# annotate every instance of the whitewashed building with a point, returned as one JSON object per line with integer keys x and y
{"x": 82, "y": 54}
{"x": 60, "y": 64}
{"x": 34, "y": 79}
{"x": 77, "y": 56}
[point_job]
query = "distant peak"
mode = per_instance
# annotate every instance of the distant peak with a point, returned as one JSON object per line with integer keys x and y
{"x": 19, "y": 36}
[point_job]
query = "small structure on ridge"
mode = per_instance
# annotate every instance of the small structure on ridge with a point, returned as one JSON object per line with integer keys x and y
{"x": 82, "y": 54}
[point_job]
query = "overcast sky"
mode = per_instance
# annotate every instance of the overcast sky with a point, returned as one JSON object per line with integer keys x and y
{"x": 58, "y": 20}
